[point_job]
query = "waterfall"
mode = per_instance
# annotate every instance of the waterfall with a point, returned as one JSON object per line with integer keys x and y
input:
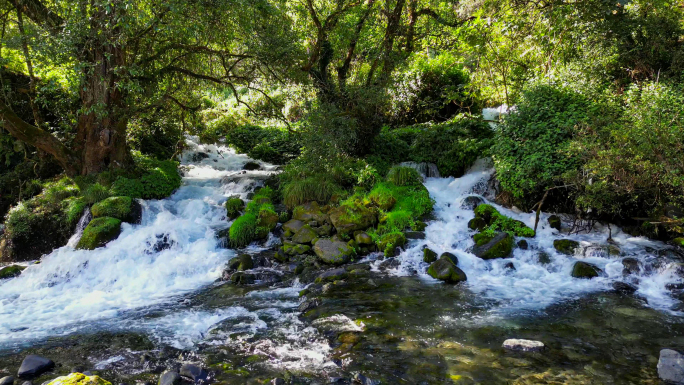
{"x": 427, "y": 170}
{"x": 82, "y": 223}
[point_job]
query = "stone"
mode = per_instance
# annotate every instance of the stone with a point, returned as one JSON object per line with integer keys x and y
{"x": 671, "y": 366}
{"x": 291, "y": 248}
{"x": 389, "y": 263}
{"x": 445, "y": 270}
{"x": 309, "y": 304}
{"x": 304, "y": 235}
{"x": 543, "y": 258}
{"x": 624, "y": 288}
{"x": 310, "y": 211}
{"x": 477, "y": 224}
{"x": 414, "y": 234}
{"x": 99, "y": 232}
{"x": 523, "y": 345}
{"x": 565, "y": 246}
{"x": 509, "y": 266}
{"x": 292, "y": 226}
{"x": 585, "y": 270}
{"x": 470, "y": 202}
{"x": 242, "y": 278}
{"x": 123, "y": 208}
{"x": 522, "y": 244}
{"x": 333, "y": 252}
{"x": 33, "y": 366}
{"x": 241, "y": 263}
{"x": 79, "y": 379}
{"x": 429, "y": 256}
{"x": 251, "y": 166}
{"x": 11, "y": 271}
{"x": 8, "y": 380}
{"x": 170, "y": 378}
{"x": 363, "y": 380}
{"x": 500, "y": 246}
{"x": 332, "y": 275}
{"x": 449, "y": 256}
{"x": 348, "y": 218}
{"x": 555, "y": 222}
{"x": 194, "y": 372}
{"x": 362, "y": 238}
{"x": 630, "y": 266}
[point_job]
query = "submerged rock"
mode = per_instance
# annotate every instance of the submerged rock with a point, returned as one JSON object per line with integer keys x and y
{"x": 671, "y": 366}
{"x": 523, "y": 345}
{"x": 332, "y": 275}
{"x": 470, "y": 202}
{"x": 8, "y": 380}
{"x": 251, "y": 166}
{"x": 565, "y": 246}
{"x": 543, "y": 258}
{"x": 241, "y": 263}
{"x": 389, "y": 263}
{"x": 79, "y": 379}
{"x": 429, "y": 256}
{"x": 445, "y": 270}
{"x": 522, "y": 244}
{"x": 11, "y": 272}
{"x": 555, "y": 222}
{"x": 499, "y": 247}
{"x": 624, "y": 288}
{"x": 363, "y": 380}
{"x": 585, "y": 270}
{"x": 333, "y": 252}
{"x": 630, "y": 266}
{"x": 242, "y": 278}
{"x": 34, "y": 365}
{"x": 414, "y": 234}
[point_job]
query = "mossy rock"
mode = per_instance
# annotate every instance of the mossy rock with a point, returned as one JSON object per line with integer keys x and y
{"x": 234, "y": 206}
{"x": 333, "y": 252}
{"x": 566, "y": 246}
{"x": 11, "y": 271}
{"x": 292, "y": 226}
{"x": 555, "y": 222}
{"x": 243, "y": 230}
{"x": 242, "y": 278}
{"x": 332, "y": 275}
{"x": 79, "y": 379}
{"x": 500, "y": 246}
{"x": 543, "y": 258}
{"x": 310, "y": 211}
{"x": 679, "y": 241}
{"x": 585, "y": 270}
{"x": 477, "y": 223}
{"x": 496, "y": 221}
{"x": 391, "y": 240}
{"x": 267, "y": 218}
{"x": 98, "y": 232}
{"x": 123, "y": 208}
{"x": 241, "y": 263}
{"x": 291, "y": 248}
{"x": 304, "y": 235}
{"x": 450, "y": 257}
{"x": 349, "y": 218}
{"x": 362, "y": 238}
{"x": 429, "y": 256}
{"x": 445, "y": 270}
{"x": 482, "y": 238}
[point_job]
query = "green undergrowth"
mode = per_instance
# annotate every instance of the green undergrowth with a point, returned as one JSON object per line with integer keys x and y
{"x": 234, "y": 206}
{"x": 497, "y": 222}
{"x": 258, "y": 220}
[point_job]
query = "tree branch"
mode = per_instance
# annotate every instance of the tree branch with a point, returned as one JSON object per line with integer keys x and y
{"x": 40, "y": 14}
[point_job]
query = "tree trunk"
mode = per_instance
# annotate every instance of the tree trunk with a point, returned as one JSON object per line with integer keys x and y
{"x": 101, "y": 130}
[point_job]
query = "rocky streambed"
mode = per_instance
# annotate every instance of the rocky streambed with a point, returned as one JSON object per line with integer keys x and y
{"x": 300, "y": 307}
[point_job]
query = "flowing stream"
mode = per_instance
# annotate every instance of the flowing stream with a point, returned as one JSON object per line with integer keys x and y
{"x": 160, "y": 280}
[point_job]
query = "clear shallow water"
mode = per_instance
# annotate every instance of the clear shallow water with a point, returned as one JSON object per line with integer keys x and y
{"x": 409, "y": 328}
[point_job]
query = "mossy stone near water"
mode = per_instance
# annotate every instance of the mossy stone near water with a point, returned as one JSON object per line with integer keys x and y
{"x": 304, "y": 235}
{"x": 291, "y": 248}
{"x": 362, "y": 238}
{"x": 98, "y": 232}
{"x": 679, "y": 241}
{"x": 445, "y": 270}
{"x": 429, "y": 256}
{"x": 122, "y": 208}
{"x": 585, "y": 270}
{"x": 555, "y": 222}
{"x": 450, "y": 257}
{"x": 496, "y": 221}
{"x": 233, "y": 207}
{"x": 241, "y": 263}
{"x": 500, "y": 246}
{"x": 11, "y": 271}
{"x": 310, "y": 211}
{"x": 391, "y": 240}
{"x": 565, "y": 246}
{"x": 348, "y": 218}
{"x": 333, "y": 252}
{"x": 79, "y": 379}
{"x": 477, "y": 223}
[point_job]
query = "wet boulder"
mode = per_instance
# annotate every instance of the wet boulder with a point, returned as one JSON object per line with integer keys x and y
{"x": 363, "y": 380}
{"x": 11, "y": 271}
{"x": 543, "y": 258}
{"x": 523, "y": 345}
{"x": 566, "y": 246}
{"x": 292, "y": 226}
{"x": 348, "y": 218}
{"x": 242, "y": 278}
{"x": 291, "y": 248}
{"x": 671, "y": 366}
{"x": 389, "y": 242}
{"x": 8, "y": 380}
{"x": 332, "y": 275}
{"x": 452, "y": 258}
{"x": 170, "y": 378}
{"x": 99, "y": 232}
{"x": 362, "y": 238}
{"x": 500, "y": 246}
{"x": 310, "y": 211}
{"x": 234, "y": 205}
{"x": 389, "y": 263}
{"x": 304, "y": 235}
{"x": 630, "y": 266}
{"x": 414, "y": 234}
{"x": 624, "y": 288}
{"x": 251, "y": 166}
{"x": 241, "y": 263}
{"x": 123, "y": 208}
{"x": 194, "y": 372}
{"x": 585, "y": 270}
{"x": 33, "y": 366}
{"x": 522, "y": 244}
{"x": 445, "y": 270}
{"x": 333, "y": 252}
{"x": 477, "y": 224}
{"x": 470, "y": 202}
{"x": 555, "y": 222}
{"x": 429, "y": 256}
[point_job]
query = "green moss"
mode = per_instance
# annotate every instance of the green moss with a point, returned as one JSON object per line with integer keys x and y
{"x": 11, "y": 271}
{"x": 115, "y": 207}
{"x": 95, "y": 193}
{"x": 565, "y": 246}
{"x": 500, "y": 249}
{"x": 388, "y": 242}
{"x": 234, "y": 206}
{"x": 679, "y": 241}
{"x": 496, "y": 221}
{"x": 74, "y": 209}
{"x": 79, "y": 379}
{"x": 243, "y": 230}
{"x": 312, "y": 189}
{"x": 585, "y": 270}
{"x": 98, "y": 232}
{"x": 408, "y": 205}
{"x": 482, "y": 238}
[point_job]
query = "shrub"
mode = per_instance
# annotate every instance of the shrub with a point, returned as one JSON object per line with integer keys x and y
{"x": 243, "y": 230}
{"x": 315, "y": 188}
{"x": 234, "y": 206}
{"x": 95, "y": 193}
{"x": 151, "y": 179}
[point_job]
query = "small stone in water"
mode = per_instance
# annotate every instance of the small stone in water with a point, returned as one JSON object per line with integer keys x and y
{"x": 170, "y": 378}
{"x": 9, "y": 380}
{"x": 34, "y": 365}
{"x": 363, "y": 380}
{"x": 671, "y": 366}
{"x": 523, "y": 345}
{"x": 194, "y": 372}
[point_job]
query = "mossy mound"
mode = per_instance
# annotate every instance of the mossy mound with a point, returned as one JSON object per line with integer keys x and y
{"x": 496, "y": 221}
{"x": 98, "y": 232}
{"x": 123, "y": 208}
{"x": 291, "y": 248}
{"x": 444, "y": 270}
{"x": 333, "y": 252}
{"x": 241, "y": 263}
{"x": 555, "y": 222}
{"x": 499, "y": 246}
{"x": 258, "y": 220}
{"x": 352, "y": 216}
{"x": 429, "y": 256}
{"x": 565, "y": 246}
{"x": 585, "y": 270}
{"x": 243, "y": 231}
{"x": 11, "y": 271}
{"x": 310, "y": 211}
{"x": 234, "y": 206}
{"x": 304, "y": 235}
{"x": 388, "y": 242}
{"x": 79, "y": 379}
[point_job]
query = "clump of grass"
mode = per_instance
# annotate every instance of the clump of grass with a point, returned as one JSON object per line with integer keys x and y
{"x": 243, "y": 230}
{"x": 315, "y": 188}
{"x": 404, "y": 176}
{"x": 234, "y": 206}
{"x": 95, "y": 193}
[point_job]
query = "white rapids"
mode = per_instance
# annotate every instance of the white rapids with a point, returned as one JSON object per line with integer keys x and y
{"x": 532, "y": 285}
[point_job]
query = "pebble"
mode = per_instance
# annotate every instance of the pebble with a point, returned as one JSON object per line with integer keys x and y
{"x": 671, "y": 366}
{"x": 523, "y": 345}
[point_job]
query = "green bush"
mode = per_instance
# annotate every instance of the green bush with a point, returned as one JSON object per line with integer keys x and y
{"x": 234, "y": 206}
{"x": 532, "y": 150}
{"x": 243, "y": 230}
{"x": 151, "y": 179}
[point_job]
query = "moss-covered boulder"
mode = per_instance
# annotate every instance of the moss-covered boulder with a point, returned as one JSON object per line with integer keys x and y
{"x": 555, "y": 222}
{"x": 234, "y": 206}
{"x": 291, "y": 248}
{"x": 310, "y": 211}
{"x": 79, "y": 379}
{"x": 389, "y": 242}
{"x": 477, "y": 223}
{"x": 585, "y": 270}
{"x": 429, "y": 256}
{"x": 304, "y": 235}
{"x": 445, "y": 270}
{"x": 123, "y": 208}
{"x": 241, "y": 263}
{"x": 500, "y": 246}
{"x": 98, "y": 232}
{"x": 452, "y": 258}
{"x": 333, "y": 252}
{"x": 292, "y": 226}
{"x": 679, "y": 241}
{"x": 243, "y": 230}
{"x": 268, "y": 219}
{"x": 348, "y": 218}
{"x": 363, "y": 239}
{"x": 566, "y": 246}
{"x": 496, "y": 221}
{"x": 11, "y": 271}
{"x": 332, "y": 275}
